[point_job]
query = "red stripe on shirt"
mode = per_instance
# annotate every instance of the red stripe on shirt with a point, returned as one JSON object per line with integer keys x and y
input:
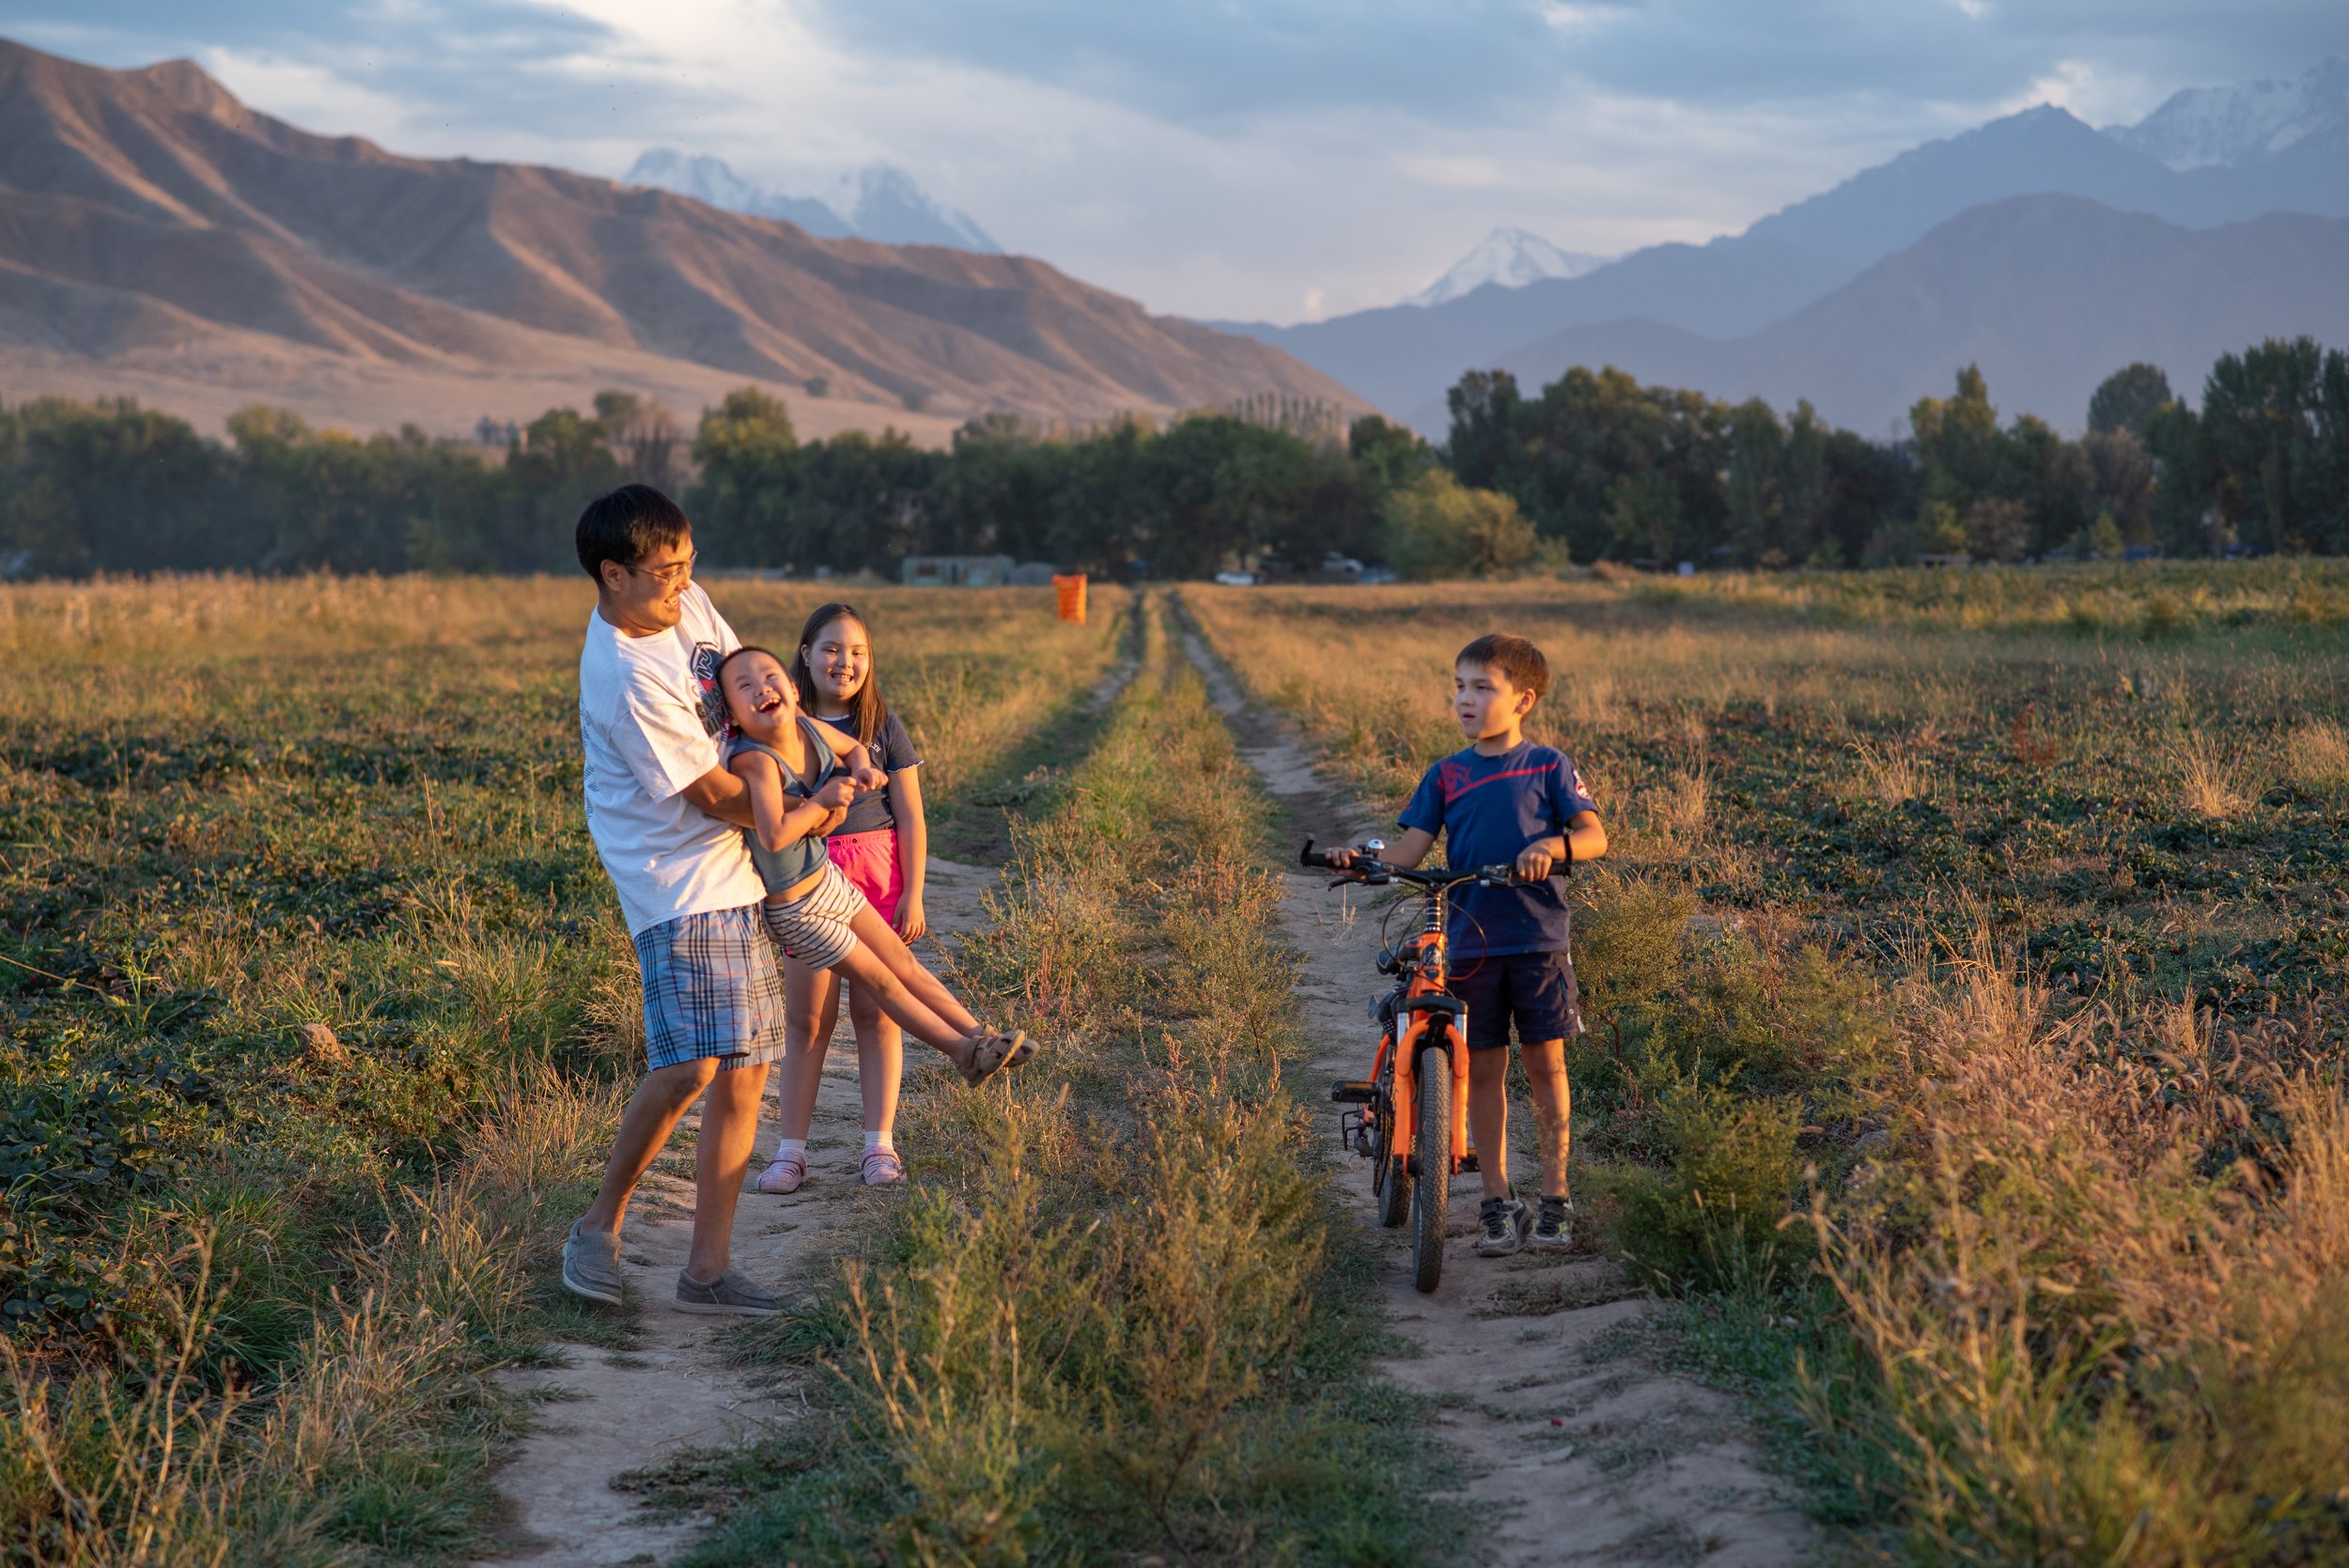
{"x": 1451, "y": 795}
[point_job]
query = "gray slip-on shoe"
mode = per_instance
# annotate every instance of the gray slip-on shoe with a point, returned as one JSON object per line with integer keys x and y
{"x": 591, "y": 1265}
{"x": 728, "y": 1292}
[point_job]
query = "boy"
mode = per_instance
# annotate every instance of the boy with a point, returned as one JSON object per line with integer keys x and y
{"x": 1506, "y": 800}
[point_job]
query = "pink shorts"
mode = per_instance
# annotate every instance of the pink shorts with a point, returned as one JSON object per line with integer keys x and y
{"x": 869, "y": 861}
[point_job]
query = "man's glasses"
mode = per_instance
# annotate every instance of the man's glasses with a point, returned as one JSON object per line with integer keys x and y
{"x": 671, "y": 574}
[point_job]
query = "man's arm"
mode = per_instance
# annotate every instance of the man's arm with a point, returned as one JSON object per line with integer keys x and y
{"x": 723, "y": 796}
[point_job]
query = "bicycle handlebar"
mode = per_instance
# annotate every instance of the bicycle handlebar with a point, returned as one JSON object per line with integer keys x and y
{"x": 1363, "y": 869}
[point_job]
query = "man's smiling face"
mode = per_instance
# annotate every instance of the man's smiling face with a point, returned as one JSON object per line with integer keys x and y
{"x": 648, "y": 596}
{"x": 759, "y": 695}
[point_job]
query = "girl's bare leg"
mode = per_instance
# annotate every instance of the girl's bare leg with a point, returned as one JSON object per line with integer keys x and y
{"x": 808, "y": 995}
{"x": 865, "y": 969}
{"x": 881, "y": 1060}
{"x": 890, "y": 950}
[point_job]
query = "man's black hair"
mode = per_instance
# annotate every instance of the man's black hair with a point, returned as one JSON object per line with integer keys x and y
{"x": 628, "y": 525}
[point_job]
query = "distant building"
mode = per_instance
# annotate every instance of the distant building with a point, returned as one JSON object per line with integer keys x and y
{"x": 1033, "y": 574}
{"x": 958, "y": 571}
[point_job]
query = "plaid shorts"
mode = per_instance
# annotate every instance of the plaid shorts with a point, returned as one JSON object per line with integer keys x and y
{"x": 711, "y": 989}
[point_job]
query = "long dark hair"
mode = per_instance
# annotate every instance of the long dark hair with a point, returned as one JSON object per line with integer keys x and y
{"x": 866, "y": 711}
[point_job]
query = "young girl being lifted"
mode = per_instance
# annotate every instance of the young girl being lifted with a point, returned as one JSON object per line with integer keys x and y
{"x": 802, "y": 776}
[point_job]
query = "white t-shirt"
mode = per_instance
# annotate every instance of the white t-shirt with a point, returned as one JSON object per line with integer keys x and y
{"x": 648, "y": 717}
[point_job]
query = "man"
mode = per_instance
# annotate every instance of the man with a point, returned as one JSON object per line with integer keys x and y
{"x": 663, "y": 814}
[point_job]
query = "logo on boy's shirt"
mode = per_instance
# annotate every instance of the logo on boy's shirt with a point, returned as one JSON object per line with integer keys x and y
{"x": 1574, "y": 775}
{"x": 713, "y": 705}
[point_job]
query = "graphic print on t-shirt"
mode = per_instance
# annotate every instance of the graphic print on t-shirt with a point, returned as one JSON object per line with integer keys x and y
{"x": 713, "y": 703}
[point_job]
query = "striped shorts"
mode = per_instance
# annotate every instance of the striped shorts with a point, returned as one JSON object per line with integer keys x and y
{"x": 814, "y": 927}
{"x": 711, "y": 989}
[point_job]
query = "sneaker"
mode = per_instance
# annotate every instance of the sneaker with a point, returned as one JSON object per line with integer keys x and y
{"x": 882, "y": 1166}
{"x": 728, "y": 1292}
{"x": 784, "y": 1175}
{"x": 1553, "y": 1223}
{"x": 591, "y": 1265}
{"x": 1506, "y": 1221}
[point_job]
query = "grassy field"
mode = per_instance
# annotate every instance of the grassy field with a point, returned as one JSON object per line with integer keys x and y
{"x": 250, "y": 1268}
{"x": 1968, "y": 990}
{"x": 1968, "y": 987}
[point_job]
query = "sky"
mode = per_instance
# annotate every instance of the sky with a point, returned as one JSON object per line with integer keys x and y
{"x": 1285, "y": 160}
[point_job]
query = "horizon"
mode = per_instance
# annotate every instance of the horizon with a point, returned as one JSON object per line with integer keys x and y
{"x": 1255, "y": 178}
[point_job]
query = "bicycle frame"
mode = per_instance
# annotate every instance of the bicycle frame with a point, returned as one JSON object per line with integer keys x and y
{"x": 1424, "y": 1008}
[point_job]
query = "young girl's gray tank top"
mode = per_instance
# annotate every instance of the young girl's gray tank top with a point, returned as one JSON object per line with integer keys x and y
{"x": 784, "y": 868}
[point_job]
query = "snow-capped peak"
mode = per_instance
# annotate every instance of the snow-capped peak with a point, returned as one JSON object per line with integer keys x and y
{"x": 1510, "y": 257}
{"x": 877, "y": 202}
{"x": 884, "y": 203}
{"x": 2201, "y": 127}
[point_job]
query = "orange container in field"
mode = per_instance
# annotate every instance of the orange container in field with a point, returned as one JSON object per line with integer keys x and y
{"x": 1071, "y": 588}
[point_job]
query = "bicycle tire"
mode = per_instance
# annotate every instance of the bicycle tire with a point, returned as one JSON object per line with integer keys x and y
{"x": 1393, "y": 1186}
{"x": 1431, "y": 1144}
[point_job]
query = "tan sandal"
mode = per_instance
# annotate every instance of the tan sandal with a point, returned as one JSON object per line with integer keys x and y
{"x": 988, "y": 1055}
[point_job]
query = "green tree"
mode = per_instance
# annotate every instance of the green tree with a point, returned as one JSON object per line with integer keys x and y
{"x": 1436, "y": 527}
{"x": 2128, "y": 398}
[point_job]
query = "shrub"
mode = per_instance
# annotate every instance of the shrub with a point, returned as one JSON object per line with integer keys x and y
{"x": 1711, "y": 1221}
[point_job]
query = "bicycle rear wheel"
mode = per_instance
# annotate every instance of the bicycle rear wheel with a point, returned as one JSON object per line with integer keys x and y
{"x": 1431, "y": 1150}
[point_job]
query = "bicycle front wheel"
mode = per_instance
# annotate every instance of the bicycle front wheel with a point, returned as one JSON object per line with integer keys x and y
{"x": 1431, "y": 1150}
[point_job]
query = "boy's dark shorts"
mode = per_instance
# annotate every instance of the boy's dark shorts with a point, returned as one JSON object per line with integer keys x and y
{"x": 1534, "y": 990}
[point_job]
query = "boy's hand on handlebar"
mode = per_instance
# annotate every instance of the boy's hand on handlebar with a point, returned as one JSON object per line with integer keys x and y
{"x": 1534, "y": 862}
{"x": 1337, "y": 860}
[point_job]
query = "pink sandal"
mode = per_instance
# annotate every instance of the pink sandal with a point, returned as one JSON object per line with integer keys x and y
{"x": 784, "y": 1175}
{"x": 882, "y": 1167}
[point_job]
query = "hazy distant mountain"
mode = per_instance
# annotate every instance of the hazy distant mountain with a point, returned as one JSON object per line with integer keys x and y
{"x": 2224, "y": 127}
{"x": 877, "y": 202}
{"x": 152, "y": 225}
{"x": 2047, "y": 294}
{"x": 1403, "y": 359}
{"x": 707, "y": 178}
{"x": 884, "y": 204}
{"x": 1507, "y": 258}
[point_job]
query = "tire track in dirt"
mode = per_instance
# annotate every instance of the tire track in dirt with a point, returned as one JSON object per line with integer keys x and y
{"x": 1592, "y": 1458}
{"x": 601, "y": 1414}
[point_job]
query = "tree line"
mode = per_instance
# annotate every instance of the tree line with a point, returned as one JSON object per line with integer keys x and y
{"x": 1593, "y": 467}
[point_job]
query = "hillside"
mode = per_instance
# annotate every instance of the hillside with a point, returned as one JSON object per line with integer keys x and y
{"x": 155, "y": 232}
{"x": 2047, "y": 294}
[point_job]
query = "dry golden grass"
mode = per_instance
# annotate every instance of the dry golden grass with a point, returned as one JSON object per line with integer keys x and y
{"x": 2316, "y": 756}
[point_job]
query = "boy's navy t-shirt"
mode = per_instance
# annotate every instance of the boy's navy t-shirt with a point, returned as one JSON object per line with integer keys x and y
{"x": 1487, "y": 810}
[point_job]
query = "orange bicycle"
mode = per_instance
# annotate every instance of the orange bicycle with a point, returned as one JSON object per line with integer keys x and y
{"x": 1410, "y": 1119}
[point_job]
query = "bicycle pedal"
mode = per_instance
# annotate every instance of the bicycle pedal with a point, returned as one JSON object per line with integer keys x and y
{"x": 1468, "y": 1164}
{"x": 1347, "y": 1091}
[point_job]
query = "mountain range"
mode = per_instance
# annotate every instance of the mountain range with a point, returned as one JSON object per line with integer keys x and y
{"x": 160, "y": 239}
{"x": 2237, "y": 158}
{"x": 877, "y": 202}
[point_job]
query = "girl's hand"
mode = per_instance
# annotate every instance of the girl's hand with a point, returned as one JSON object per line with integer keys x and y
{"x": 837, "y": 796}
{"x": 869, "y": 776}
{"x": 910, "y": 923}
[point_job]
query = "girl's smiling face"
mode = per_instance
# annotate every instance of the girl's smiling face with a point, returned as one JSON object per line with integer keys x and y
{"x": 839, "y": 661}
{"x": 760, "y": 694}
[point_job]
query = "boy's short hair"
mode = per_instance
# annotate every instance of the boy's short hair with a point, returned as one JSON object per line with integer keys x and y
{"x": 626, "y": 526}
{"x": 1518, "y": 661}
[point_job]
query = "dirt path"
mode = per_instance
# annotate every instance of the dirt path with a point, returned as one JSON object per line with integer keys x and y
{"x": 611, "y": 1412}
{"x": 1595, "y": 1458}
